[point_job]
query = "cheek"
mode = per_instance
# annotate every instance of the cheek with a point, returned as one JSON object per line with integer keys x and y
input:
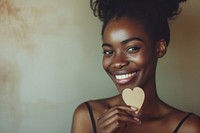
{"x": 143, "y": 59}
{"x": 105, "y": 63}
{"x": 139, "y": 60}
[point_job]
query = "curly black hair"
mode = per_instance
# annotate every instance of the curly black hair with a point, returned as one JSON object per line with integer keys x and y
{"x": 153, "y": 14}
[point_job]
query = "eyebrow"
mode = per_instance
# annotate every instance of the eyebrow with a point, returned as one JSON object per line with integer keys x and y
{"x": 132, "y": 39}
{"x": 125, "y": 41}
{"x": 106, "y": 44}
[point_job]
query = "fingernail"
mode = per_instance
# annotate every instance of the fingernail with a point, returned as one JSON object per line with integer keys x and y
{"x": 138, "y": 120}
{"x": 134, "y": 108}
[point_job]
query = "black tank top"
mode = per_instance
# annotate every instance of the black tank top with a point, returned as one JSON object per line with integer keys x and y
{"x": 91, "y": 117}
{"x": 94, "y": 125}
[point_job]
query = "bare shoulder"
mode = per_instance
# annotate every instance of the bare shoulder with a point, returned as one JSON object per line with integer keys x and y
{"x": 192, "y": 124}
{"x": 81, "y": 120}
{"x": 184, "y": 122}
{"x": 188, "y": 122}
{"x": 81, "y": 117}
{"x": 100, "y": 106}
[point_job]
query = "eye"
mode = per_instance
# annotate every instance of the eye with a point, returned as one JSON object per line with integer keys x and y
{"x": 133, "y": 49}
{"x": 107, "y": 52}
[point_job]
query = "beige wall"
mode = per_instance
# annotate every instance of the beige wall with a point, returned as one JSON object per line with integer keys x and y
{"x": 179, "y": 73}
{"x": 50, "y": 61}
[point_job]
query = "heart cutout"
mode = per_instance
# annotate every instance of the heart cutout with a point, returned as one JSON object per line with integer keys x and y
{"x": 134, "y": 98}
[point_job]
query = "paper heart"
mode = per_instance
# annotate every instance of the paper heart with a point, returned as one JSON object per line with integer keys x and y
{"x": 134, "y": 98}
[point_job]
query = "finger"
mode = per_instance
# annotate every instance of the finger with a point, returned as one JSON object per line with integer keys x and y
{"x": 115, "y": 119}
{"x": 137, "y": 121}
{"x": 115, "y": 126}
{"x": 126, "y": 108}
{"x": 109, "y": 114}
{"x": 122, "y": 123}
{"x": 121, "y": 116}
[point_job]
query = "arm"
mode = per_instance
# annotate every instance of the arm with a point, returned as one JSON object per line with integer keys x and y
{"x": 81, "y": 120}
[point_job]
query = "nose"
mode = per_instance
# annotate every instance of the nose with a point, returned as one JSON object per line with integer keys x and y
{"x": 119, "y": 61}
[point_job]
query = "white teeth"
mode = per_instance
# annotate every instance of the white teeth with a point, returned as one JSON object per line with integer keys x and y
{"x": 124, "y": 76}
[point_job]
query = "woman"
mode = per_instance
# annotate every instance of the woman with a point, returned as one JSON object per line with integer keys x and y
{"x": 135, "y": 35}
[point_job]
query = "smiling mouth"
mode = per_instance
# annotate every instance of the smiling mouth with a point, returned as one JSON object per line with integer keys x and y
{"x": 125, "y": 76}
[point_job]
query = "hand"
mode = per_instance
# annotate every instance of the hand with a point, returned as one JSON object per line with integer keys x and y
{"x": 115, "y": 118}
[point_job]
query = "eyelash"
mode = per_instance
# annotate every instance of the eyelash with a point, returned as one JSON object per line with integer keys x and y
{"x": 133, "y": 49}
{"x": 107, "y": 52}
{"x": 130, "y": 49}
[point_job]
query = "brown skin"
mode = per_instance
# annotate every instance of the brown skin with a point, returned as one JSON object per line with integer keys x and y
{"x": 128, "y": 49}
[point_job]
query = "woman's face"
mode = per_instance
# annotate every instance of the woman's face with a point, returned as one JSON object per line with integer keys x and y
{"x": 129, "y": 56}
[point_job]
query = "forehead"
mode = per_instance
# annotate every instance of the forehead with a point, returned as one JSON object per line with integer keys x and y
{"x": 122, "y": 28}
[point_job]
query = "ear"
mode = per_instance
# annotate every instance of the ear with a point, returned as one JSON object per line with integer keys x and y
{"x": 161, "y": 48}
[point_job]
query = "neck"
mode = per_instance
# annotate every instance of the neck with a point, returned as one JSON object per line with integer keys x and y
{"x": 151, "y": 103}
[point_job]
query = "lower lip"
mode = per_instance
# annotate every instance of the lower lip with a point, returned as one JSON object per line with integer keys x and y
{"x": 125, "y": 81}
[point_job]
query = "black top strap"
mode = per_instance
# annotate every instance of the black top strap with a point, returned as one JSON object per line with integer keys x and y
{"x": 181, "y": 122}
{"x": 91, "y": 116}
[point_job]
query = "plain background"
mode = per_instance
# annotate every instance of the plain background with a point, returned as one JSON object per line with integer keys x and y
{"x": 50, "y": 62}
